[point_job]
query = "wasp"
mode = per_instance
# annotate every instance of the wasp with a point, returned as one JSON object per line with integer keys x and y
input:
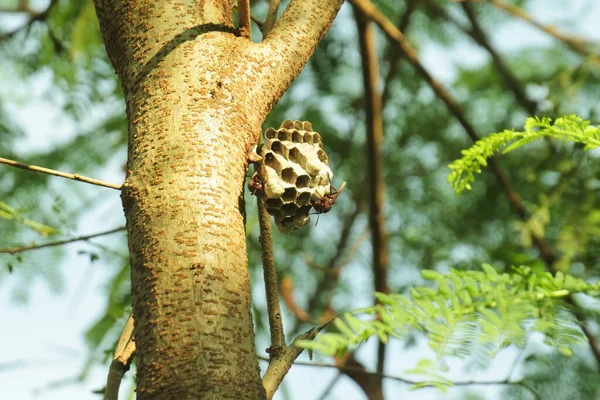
{"x": 255, "y": 185}
{"x": 325, "y": 203}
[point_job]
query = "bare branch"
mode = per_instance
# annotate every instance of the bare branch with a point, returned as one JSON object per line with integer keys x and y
{"x": 374, "y": 125}
{"x": 244, "y": 27}
{"x": 75, "y": 177}
{"x": 287, "y": 293}
{"x": 271, "y": 17}
{"x": 16, "y": 250}
{"x": 121, "y": 361}
{"x": 270, "y": 274}
{"x": 574, "y": 43}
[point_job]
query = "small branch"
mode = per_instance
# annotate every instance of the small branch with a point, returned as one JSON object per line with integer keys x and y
{"x": 374, "y": 125}
{"x": 574, "y": 43}
{"x": 270, "y": 274}
{"x": 271, "y": 17}
{"x": 330, "y": 386}
{"x": 244, "y": 27}
{"x": 16, "y": 250}
{"x": 75, "y": 177}
{"x": 283, "y": 361}
{"x": 121, "y": 361}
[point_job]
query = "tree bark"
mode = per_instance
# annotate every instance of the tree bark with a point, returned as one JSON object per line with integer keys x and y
{"x": 196, "y": 94}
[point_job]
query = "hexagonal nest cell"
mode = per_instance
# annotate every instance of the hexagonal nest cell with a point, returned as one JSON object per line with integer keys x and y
{"x": 294, "y": 171}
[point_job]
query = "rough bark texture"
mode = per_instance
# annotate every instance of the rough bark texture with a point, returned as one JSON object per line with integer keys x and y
{"x": 196, "y": 94}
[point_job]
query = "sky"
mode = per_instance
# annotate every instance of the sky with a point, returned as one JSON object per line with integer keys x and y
{"x": 42, "y": 346}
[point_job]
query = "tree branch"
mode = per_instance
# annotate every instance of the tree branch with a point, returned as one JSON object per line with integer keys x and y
{"x": 121, "y": 361}
{"x": 546, "y": 252}
{"x": 374, "y": 125}
{"x": 270, "y": 274}
{"x": 244, "y": 27}
{"x": 283, "y": 361}
{"x": 75, "y": 177}
{"x": 16, "y": 250}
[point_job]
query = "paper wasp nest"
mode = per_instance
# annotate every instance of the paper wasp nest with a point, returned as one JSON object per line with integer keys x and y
{"x": 294, "y": 172}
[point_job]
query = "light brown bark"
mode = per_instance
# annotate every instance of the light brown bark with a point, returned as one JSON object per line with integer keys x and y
{"x": 196, "y": 94}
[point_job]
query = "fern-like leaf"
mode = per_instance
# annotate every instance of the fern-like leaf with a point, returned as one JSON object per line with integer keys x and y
{"x": 570, "y": 128}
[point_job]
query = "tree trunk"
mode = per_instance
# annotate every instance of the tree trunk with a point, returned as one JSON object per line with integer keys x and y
{"x": 196, "y": 95}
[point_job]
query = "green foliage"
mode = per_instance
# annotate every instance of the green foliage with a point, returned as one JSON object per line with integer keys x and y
{"x": 468, "y": 311}
{"x": 7, "y": 212}
{"x": 568, "y": 128}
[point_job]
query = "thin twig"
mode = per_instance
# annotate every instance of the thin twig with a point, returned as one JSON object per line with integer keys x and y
{"x": 574, "y": 43}
{"x": 271, "y": 17}
{"x": 347, "y": 368}
{"x": 16, "y": 250}
{"x": 546, "y": 252}
{"x": 374, "y": 125}
{"x": 270, "y": 274}
{"x": 330, "y": 386}
{"x": 244, "y": 27}
{"x": 75, "y": 177}
{"x": 121, "y": 361}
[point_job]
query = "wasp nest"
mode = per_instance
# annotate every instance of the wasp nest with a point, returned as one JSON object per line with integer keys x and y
{"x": 294, "y": 173}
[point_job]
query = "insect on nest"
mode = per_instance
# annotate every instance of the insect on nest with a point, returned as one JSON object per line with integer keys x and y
{"x": 293, "y": 175}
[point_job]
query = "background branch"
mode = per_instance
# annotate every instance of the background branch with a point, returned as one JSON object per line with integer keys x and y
{"x": 354, "y": 369}
{"x": 75, "y": 177}
{"x": 374, "y": 131}
{"x": 16, "y": 250}
{"x": 574, "y": 43}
